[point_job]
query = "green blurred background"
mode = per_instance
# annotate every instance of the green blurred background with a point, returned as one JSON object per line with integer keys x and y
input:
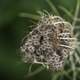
{"x": 16, "y": 16}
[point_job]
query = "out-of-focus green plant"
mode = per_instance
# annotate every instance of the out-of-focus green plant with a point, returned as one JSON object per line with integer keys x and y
{"x": 16, "y": 17}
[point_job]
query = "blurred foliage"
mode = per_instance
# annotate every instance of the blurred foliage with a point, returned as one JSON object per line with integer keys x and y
{"x": 16, "y": 17}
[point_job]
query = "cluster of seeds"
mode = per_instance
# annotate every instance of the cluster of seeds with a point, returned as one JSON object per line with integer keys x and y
{"x": 50, "y": 43}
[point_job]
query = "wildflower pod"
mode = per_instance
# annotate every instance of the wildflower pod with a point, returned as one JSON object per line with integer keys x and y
{"x": 49, "y": 43}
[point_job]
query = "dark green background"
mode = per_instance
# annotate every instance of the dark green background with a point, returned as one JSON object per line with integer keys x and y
{"x": 13, "y": 28}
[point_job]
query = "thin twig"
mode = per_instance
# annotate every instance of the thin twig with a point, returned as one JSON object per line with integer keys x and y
{"x": 53, "y": 7}
{"x": 68, "y": 13}
{"x": 28, "y": 15}
{"x": 76, "y": 13}
{"x": 35, "y": 72}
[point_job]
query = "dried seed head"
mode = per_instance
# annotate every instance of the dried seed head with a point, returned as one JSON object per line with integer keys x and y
{"x": 49, "y": 43}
